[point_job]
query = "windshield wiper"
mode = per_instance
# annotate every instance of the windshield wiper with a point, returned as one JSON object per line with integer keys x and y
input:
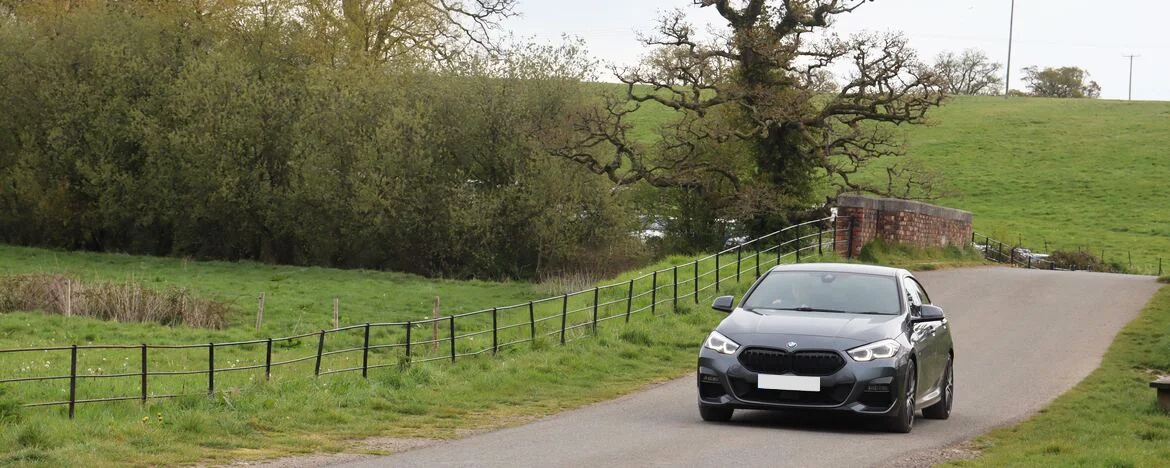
{"x": 835, "y": 311}
{"x": 814, "y": 309}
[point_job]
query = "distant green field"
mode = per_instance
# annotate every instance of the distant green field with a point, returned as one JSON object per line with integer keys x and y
{"x": 1083, "y": 173}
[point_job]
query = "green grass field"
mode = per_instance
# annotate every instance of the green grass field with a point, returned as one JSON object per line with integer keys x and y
{"x": 1073, "y": 173}
{"x": 250, "y": 418}
{"x": 1077, "y": 173}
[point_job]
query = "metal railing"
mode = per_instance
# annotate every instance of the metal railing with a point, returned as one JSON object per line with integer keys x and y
{"x": 399, "y": 344}
{"x": 1023, "y": 257}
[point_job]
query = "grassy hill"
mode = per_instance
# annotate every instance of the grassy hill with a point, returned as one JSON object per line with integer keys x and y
{"x": 1076, "y": 173}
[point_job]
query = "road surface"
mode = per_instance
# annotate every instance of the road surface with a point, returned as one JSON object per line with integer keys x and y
{"x": 1021, "y": 338}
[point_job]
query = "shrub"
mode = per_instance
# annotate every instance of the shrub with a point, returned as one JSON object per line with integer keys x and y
{"x": 121, "y": 302}
{"x": 1081, "y": 260}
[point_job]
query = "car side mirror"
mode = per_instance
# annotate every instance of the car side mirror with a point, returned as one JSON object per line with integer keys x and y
{"x": 929, "y": 313}
{"x": 724, "y": 304}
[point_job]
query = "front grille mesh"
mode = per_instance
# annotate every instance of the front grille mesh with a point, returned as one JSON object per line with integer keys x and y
{"x": 775, "y": 361}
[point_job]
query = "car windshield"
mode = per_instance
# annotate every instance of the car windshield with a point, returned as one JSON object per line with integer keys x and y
{"x": 820, "y": 291}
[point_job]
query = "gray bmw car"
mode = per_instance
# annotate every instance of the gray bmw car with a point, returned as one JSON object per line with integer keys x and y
{"x": 834, "y": 337}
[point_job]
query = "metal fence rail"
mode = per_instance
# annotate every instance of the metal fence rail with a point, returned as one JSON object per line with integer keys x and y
{"x": 579, "y": 314}
{"x": 1018, "y": 255}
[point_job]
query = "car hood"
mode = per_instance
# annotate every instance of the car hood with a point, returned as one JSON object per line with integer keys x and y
{"x": 863, "y": 329}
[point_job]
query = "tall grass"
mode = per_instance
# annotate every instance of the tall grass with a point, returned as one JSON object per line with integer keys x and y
{"x": 121, "y": 302}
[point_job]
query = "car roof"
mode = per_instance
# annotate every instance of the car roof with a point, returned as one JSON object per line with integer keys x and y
{"x": 842, "y": 268}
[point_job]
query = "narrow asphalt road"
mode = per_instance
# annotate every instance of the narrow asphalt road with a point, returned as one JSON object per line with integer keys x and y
{"x": 1021, "y": 338}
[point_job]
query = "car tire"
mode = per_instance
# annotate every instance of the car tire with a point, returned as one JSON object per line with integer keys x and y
{"x": 902, "y": 421}
{"x": 942, "y": 409}
{"x": 715, "y": 413}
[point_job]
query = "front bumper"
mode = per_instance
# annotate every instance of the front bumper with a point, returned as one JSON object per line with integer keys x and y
{"x": 859, "y": 387}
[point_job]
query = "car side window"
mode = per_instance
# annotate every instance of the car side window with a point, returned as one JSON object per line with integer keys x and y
{"x": 921, "y": 291}
{"x": 913, "y": 293}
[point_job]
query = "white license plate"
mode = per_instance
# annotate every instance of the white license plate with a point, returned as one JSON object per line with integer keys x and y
{"x": 790, "y": 382}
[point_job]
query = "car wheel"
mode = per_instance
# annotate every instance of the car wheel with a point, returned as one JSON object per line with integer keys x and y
{"x": 942, "y": 409}
{"x": 903, "y": 421}
{"x": 715, "y": 413}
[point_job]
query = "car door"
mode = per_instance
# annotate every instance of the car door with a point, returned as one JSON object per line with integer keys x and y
{"x": 924, "y": 335}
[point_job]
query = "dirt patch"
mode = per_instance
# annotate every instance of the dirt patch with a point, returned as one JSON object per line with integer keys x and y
{"x": 961, "y": 451}
{"x": 367, "y": 448}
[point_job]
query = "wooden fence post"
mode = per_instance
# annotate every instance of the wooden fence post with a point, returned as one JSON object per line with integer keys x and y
{"x": 259, "y": 311}
{"x": 336, "y": 312}
{"x": 68, "y": 298}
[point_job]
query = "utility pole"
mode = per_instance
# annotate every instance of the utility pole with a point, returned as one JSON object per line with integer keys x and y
{"x": 1011, "y": 32}
{"x": 1131, "y": 57}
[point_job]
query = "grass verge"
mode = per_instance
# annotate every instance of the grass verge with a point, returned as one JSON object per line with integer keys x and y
{"x": 917, "y": 258}
{"x": 1109, "y": 419}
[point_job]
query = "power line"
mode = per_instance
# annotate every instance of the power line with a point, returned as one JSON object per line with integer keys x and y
{"x": 1131, "y": 57}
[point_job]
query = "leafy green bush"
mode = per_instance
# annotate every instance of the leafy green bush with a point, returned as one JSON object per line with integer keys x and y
{"x": 209, "y": 137}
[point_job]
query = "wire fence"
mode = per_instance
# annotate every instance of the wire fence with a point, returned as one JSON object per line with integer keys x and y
{"x": 168, "y": 371}
{"x": 1023, "y": 257}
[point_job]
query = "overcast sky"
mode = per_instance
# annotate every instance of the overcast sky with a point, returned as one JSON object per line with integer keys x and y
{"x": 1090, "y": 34}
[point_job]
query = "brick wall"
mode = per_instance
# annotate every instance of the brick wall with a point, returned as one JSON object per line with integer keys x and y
{"x": 896, "y": 220}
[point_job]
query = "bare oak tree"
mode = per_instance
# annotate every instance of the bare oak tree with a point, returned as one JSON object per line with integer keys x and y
{"x": 761, "y": 125}
{"x": 971, "y": 73}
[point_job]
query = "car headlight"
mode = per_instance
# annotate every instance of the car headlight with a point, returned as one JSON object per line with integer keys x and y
{"x": 880, "y": 350}
{"x": 720, "y": 344}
